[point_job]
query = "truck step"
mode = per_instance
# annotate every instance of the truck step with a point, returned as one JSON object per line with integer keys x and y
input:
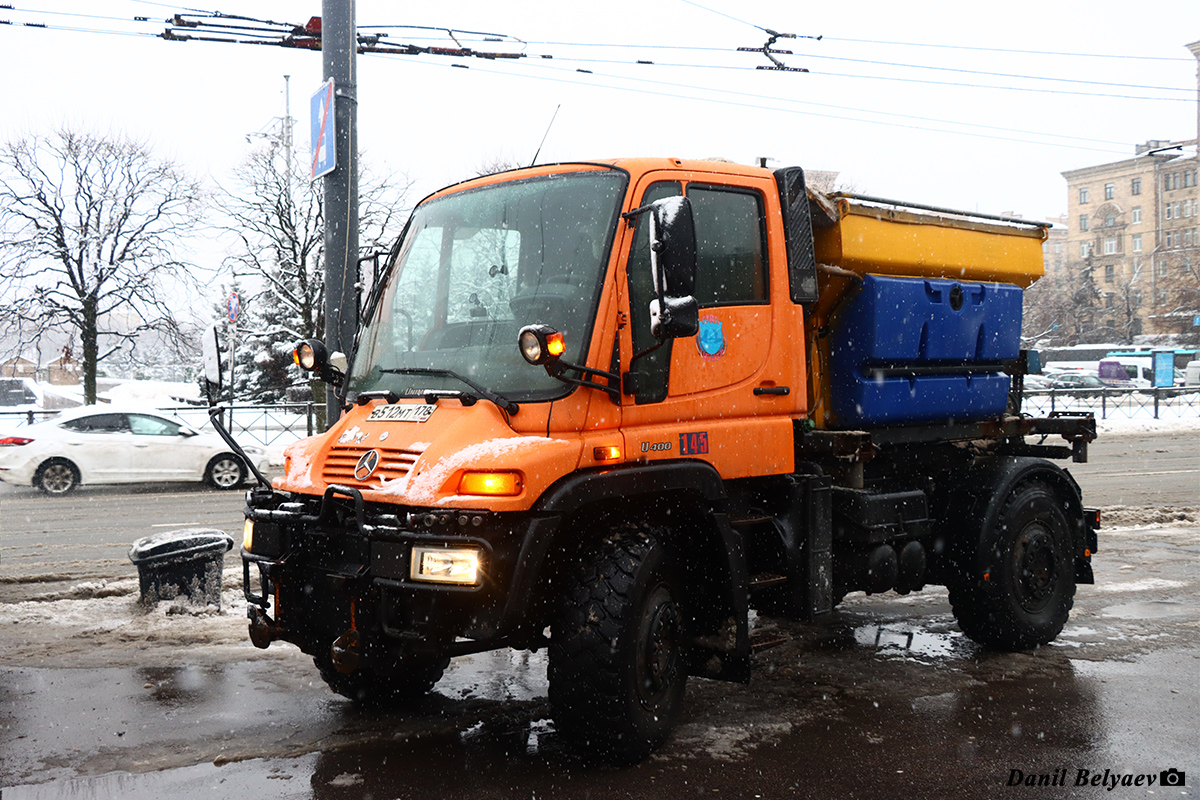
{"x": 764, "y": 579}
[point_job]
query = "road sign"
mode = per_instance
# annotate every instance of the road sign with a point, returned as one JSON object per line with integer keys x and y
{"x": 324, "y": 152}
{"x": 234, "y": 306}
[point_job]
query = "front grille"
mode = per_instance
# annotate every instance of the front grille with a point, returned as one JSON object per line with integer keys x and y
{"x": 393, "y": 465}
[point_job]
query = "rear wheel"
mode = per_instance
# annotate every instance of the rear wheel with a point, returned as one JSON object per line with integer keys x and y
{"x": 57, "y": 477}
{"x": 1020, "y": 587}
{"x": 225, "y": 472}
{"x": 617, "y": 669}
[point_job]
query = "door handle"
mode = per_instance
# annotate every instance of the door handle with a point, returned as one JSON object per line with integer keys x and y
{"x": 775, "y": 390}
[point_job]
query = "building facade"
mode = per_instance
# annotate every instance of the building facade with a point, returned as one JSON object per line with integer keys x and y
{"x": 1133, "y": 228}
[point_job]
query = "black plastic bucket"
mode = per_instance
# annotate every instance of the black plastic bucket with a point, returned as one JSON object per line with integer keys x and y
{"x": 181, "y": 564}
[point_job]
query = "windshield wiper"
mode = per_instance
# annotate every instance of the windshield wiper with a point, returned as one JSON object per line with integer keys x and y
{"x": 501, "y": 402}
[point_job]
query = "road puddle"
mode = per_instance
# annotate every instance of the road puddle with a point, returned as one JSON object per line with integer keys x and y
{"x": 905, "y": 639}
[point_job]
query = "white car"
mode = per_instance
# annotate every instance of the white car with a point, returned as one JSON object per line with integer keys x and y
{"x": 101, "y": 444}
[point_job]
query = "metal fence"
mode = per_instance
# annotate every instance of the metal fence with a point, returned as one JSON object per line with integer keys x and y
{"x": 277, "y": 424}
{"x": 281, "y": 424}
{"x": 1163, "y": 403}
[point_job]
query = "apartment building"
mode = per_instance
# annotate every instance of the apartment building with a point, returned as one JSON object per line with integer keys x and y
{"x": 1133, "y": 226}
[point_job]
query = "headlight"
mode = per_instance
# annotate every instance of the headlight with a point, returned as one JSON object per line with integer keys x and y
{"x": 445, "y": 565}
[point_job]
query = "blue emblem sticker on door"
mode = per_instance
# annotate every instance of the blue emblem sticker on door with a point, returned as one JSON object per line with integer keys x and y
{"x": 711, "y": 339}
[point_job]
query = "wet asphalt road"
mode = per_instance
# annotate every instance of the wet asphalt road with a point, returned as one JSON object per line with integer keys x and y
{"x": 888, "y": 700}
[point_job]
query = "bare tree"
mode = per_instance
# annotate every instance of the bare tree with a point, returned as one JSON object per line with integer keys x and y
{"x": 1177, "y": 295}
{"x": 1060, "y": 308}
{"x": 277, "y": 216}
{"x": 89, "y": 231}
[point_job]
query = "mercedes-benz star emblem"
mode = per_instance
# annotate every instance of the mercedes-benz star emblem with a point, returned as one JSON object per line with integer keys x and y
{"x": 366, "y": 465}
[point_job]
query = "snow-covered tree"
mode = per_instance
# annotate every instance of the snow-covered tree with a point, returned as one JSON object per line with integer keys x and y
{"x": 277, "y": 216}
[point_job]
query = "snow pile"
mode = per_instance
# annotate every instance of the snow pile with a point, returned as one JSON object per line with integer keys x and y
{"x": 105, "y": 622}
{"x": 154, "y": 394}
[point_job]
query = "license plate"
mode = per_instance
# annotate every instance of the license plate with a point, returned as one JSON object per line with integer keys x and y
{"x": 409, "y": 412}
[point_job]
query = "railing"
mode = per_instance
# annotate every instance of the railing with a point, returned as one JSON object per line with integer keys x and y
{"x": 267, "y": 425}
{"x": 1160, "y": 403}
{"x": 283, "y": 423}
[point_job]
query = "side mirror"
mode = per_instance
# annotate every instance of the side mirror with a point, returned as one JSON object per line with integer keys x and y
{"x": 674, "y": 312}
{"x": 210, "y": 346}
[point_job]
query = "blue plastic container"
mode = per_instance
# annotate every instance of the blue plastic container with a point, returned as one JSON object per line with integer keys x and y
{"x": 902, "y": 351}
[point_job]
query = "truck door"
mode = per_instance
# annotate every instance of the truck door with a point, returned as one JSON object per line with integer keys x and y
{"x": 714, "y": 391}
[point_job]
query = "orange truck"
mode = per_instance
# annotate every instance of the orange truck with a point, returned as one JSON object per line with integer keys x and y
{"x": 608, "y": 408}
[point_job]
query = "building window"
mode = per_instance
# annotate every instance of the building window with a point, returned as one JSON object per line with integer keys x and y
{"x": 1135, "y": 186}
{"x": 1110, "y": 220}
{"x": 1083, "y": 222}
{"x": 1137, "y": 214}
{"x": 1168, "y": 210}
{"x": 1110, "y": 189}
{"x": 1058, "y": 248}
{"x": 1187, "y": 179}
{"x": 1085, "y": 249}
{"x": 1110, "y": 246}
{"x": 1160, "y": 269}
{"x": 1135, "y": 298}
{"x": 1167, "y": 241}
{"x": 1109, "y": 299}
{"x": 1109, "y": 273}
{"x": 1083, "y": 194}
{"x": 1179, "y": 210}
{"x": 1136, "y": 243}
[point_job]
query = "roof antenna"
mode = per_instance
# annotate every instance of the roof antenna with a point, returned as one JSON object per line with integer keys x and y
{"x": 544, "y": 135}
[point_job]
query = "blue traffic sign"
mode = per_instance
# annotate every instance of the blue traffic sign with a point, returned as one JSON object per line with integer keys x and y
{"x": 324, "y": 152}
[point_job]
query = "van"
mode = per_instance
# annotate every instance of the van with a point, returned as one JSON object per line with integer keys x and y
{"x": 1116, "y": 374}
{"x": 1138, "y": 369}
{"x": 1191, "y": 374}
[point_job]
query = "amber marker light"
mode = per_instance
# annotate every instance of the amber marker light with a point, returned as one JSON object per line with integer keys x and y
{"x": 607, "y": 453}
{"x": 556, "y": 345}
{"x": 248, "y": 536}
{"x": 495, "y": 484}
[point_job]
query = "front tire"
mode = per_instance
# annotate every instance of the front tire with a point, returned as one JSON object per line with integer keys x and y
{"x": 226, "y": 471}
{"x": 1019, "y": 587}
{"x": 57, "y": 477}
{"x": 617, "y": 664}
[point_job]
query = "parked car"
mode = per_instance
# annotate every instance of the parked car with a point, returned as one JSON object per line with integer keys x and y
{"x": 1079, "y": 382}
{"x": 101, "y": 444}
{"x": 1037, "y": 383}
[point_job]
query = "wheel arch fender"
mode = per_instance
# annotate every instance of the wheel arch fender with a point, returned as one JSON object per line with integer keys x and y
{"x": 687, "y": 497}
{"x": 977, "y": 502}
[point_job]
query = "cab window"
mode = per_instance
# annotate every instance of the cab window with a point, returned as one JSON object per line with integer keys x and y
{"x": 731, "y": 267}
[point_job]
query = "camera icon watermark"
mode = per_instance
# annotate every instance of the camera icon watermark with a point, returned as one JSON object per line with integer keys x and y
{"x": 1172, "y": 777}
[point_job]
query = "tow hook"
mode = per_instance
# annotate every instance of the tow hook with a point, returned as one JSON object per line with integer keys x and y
{"x": 263, "y": 629}
{"x": 346, "y": 652}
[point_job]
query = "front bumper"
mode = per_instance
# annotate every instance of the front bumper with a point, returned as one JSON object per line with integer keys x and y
{"x": 322, "y": 567}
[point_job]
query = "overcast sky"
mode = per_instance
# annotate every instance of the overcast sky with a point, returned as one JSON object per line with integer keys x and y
{"x": 936, "y": 102}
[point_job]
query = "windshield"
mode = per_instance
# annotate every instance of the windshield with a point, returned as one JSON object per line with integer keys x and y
{"x": 474, "y": 268}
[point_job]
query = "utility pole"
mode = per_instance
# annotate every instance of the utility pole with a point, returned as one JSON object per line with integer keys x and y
{"x": 339, "y": 46}
{"x": 288, "y": 124}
